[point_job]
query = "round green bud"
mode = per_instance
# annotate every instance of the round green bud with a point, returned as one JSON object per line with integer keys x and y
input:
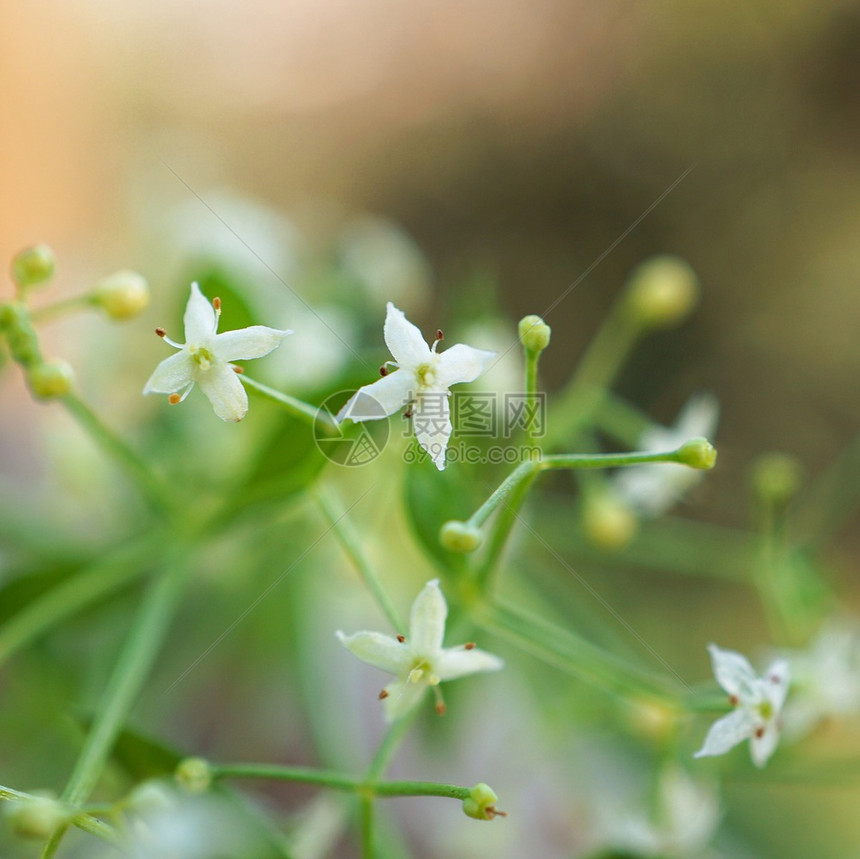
{"x": 50, "y": 379}
{"x": 194, "y": 775}
{"x": 661, "y": 292}
{"x": 481, "y": 803}
{"x": 122, "y": 294}
{"x": 20, "y": 334}
{"x": 698, "y": 453}
{"x": 36, "y": 817}
{"x": 460, "y": 537}
{"x": 777, "y": 477}
{"x": 607, "y": 522}
{"x": 32, "y": 266}
{"x": 534, "y": 333}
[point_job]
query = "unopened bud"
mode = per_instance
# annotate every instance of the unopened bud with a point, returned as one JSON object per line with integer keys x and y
{"x": 460, "y": 537}
{"x": 33, "y": 266}
{"x": 777, "y": 477}
{"x": 122, "y": 294}
{"x": 36, "y": 817}
{"x": 698, "y": 453}
{"x": 661, "y": 292}
{"x": 534, "y": 333}
{"x": 194, "y": 775}
{"x": 608, "y": 522}
{"x": 654, "y": 720}
{"x": 481, "y": 803}
{"x": 50, "y": 379}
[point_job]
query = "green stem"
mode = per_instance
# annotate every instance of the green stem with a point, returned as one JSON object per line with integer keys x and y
{"x": 59, "y": 308}
{"x": 136, "y": 467}
{"x": 563, "y": 648}
{"x": 74, "y": 594}
{"x": 340, "y": 781}
{"x": 129, "y": 674}
{"x": 366, "y": 821}
{"x": 389, "y": 745}
{"x": 336, "y": 516}
{"x": 298, "y": 408}
{"x": 584, "y": 395}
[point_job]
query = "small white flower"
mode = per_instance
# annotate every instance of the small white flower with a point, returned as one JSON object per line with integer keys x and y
{"x": 825, "y": 678}
{"x": 422, "y": 378}
{"x": 419, "y": 661}
{"x": 652, "y": 489}
{"x": 758, "y": 706}
{"x": 205, "y": 358}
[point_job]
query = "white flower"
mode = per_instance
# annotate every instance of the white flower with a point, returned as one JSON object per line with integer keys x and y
{"x": 419, "y": 661}
{"x": 825, "y": 678}
{"x": 205, "y": 358}
{"x": 423, "y": 378}
{"x": 758, "y": 706}
{"x": 681, "y": 823}
{"x": 652, "y": 489}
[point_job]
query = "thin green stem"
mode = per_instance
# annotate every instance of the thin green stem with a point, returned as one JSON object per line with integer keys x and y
{"x": 577, "y": 404}
{"x": 532, "y": 360}
{"x": 336, "y": 516}
{"x": 129, "y": 674}
{"x": 390, "y": 742}
{"x": 340, "y": 781}
{"x": 524, "y": 472}
{"x": 298, "y": 408}
{"x": 366, "y": 824}
{"x": 76, "y": 593}
{"x": 137, "y": 468}
{"x": 60, "y": 308}
{"x": 565, "y": 649}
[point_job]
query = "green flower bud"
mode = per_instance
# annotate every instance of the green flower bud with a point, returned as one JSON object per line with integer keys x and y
{"x": 608, "y": 523}
{"x": 698, "y": 453}
{"x": 534, "y": 333}
{"x": 777, "y": 477}
{"x": 481, "y": 803}
{"x": 460, "y": 537}
{"x": 50, "y": 379}
{"x": 32, "y": 266}
{"x": 20, "y": 334}
{"x": 194, "y": 775}
{"x": 122, "y": 295}
{"x": 37, "y": 817}
{"x": 661, "y": 292}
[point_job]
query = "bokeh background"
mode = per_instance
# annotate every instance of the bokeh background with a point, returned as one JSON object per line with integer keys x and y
{"x": 517, "y": 146}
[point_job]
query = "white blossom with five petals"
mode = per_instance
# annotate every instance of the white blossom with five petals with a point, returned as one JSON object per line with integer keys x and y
{"x": 418, "y": 660}
{"x": 205, "y": 359}
{"x": 422, "y": 378}
{"x": 757, "y": 703}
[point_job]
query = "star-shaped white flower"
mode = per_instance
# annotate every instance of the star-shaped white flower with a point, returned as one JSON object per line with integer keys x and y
{"x": 418, "y": 660}
{"x": 205, "y": 358}
{"x": 652, "y": 489}
{"x": 422, "y": 378}
{"x": 758, "y": 706}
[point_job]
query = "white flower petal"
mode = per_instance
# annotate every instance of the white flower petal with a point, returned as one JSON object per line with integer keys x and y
{"x": 171, "y": 375}
{"x": 380, "y": 399}
{"x": 404, "y": 340}
{"x": 762, "y": 747}
{"x": 431, "y": 420}
{"x": 458, "y": 662}
{"x": 246, "y": 343}
{"x": 427, "y": 620}
{"x": 381, "y": 651}
{"x": 201, "y": 321}
{"x": 776, "y": 683}
{"x": 727, "y": 732}
{"x": 224, "y": 390}
{"x": 698, "y": 418}
{"x": 402, "y": 697}
{"x": 461, "y": 364}
{"x": 733, "y": 672}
